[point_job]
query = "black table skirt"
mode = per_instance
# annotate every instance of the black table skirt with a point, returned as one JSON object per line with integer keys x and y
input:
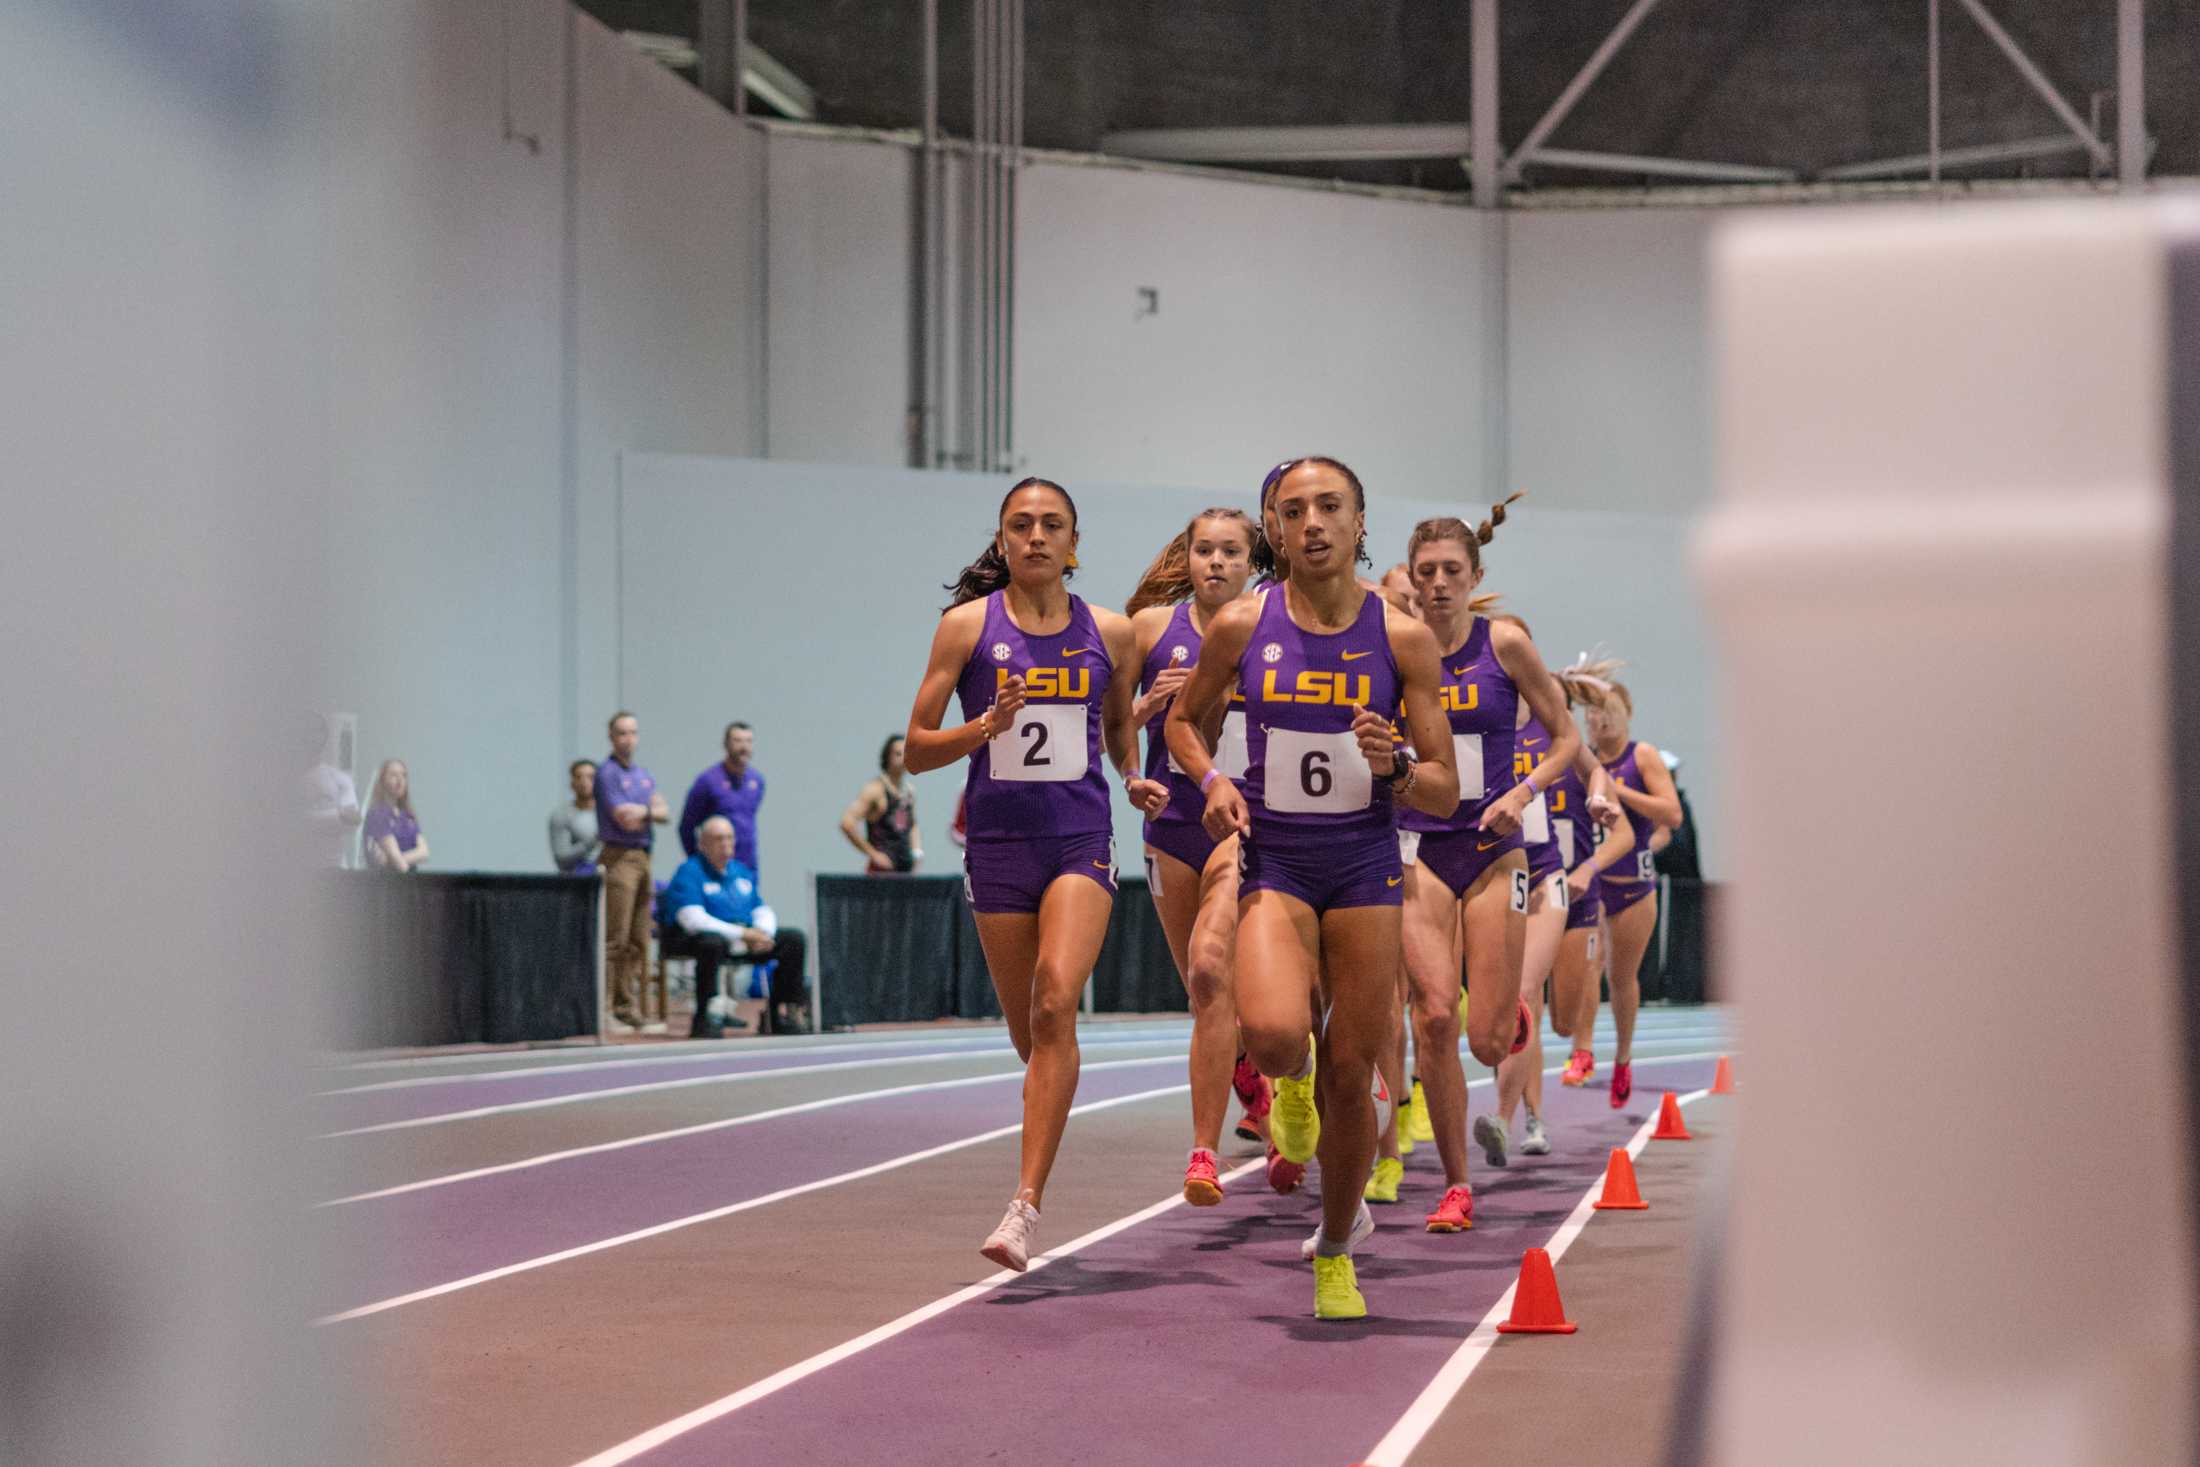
{"x": 904, "y": 948}
{"x": 465, "y": 957}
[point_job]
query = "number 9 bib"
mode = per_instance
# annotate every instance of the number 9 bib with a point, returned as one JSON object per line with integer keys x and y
{"x": 1315, "y": 774}
{"x": 1045, "y": 744}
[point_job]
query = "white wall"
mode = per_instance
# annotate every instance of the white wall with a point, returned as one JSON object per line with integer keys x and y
{"x": 1291, "y": 321}
{"x": 820, "y": 645}
{"x": 1608, "y": 395}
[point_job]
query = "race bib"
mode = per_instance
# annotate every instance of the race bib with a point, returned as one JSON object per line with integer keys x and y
{"x": 1043, "y": 744}
{"x": 1230, "y": 752}
{"x": 1558, "y": 892}
{"x": 1646, "y": 865}
{"x": 1520, "y": 889}
{"x": 1535, "y": 821}
{"x": 1467, "y": 750}
{"x": 1566, "y": 844}
{"x": 1409, "y": 847}
{"x": 1316, "y": 774}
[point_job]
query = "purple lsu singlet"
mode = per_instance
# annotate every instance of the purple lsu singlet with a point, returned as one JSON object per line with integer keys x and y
{"x": 1305, "y": 774}
{"x": 1178, "y": 646}
{"x": 1538, "y": 830}
{"x": 1479, "y": 702}
{"x": 1571, "y": 826}
{"x": 1638, "y": 866}
{"x": 1041, "y": 775}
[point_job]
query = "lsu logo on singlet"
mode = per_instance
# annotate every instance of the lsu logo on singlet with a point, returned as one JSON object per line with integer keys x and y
{"x": 1051, "y": 682}
{"x": 1335, "y": 688}
{"x": 1453, "y": 700}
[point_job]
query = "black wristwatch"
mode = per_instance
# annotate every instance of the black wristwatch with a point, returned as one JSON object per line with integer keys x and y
{"x": 1401, "y": 766}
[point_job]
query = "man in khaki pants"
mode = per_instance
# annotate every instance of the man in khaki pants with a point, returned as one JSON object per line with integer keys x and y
{"x": 627, "y": 805}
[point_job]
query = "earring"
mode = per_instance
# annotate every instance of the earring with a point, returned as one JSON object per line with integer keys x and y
{"x": 1073, "y": 560}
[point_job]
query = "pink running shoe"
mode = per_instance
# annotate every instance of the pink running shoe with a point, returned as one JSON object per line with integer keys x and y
{"x": 1524, "y": 1030}
{"x": 1455, "y": 1214}
{"x": 1284, "y": 1176}
{"x": 1202, "y": 1187}
{"x": 1623, "y": 1084}
{"x": 1579, "y": 1067}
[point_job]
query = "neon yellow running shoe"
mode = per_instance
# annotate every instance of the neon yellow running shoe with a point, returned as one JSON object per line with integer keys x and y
{"x": 1382, "y": 1183}
{"x": 1462, "y": 1008}
{"x": 1293, "y": 1124}
{"x": 1337, "y": 1289}
{"x": 1405, "y": 1128}
{"x": 1422, "y": 1130}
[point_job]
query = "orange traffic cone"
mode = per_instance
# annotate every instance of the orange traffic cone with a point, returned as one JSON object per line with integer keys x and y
{"x": 1670, "y": 1127}
{"x": 1620, "y": 1192}
{"x": 1536, "y": 1310}
{"x": 1722, "y": 1080}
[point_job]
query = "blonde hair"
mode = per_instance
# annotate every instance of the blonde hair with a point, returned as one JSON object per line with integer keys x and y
{"x": 1588, "y": 681}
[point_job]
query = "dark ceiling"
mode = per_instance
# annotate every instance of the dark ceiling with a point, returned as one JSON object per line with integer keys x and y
{"x": 1806, "y": 84}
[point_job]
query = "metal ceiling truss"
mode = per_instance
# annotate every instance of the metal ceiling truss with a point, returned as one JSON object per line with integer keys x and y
{"x": 1476, "y": 145}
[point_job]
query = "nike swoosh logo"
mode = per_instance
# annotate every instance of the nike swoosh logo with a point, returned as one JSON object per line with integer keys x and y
{"x": 1352, "y": 656}
{"x": 1392, "y": 880}
{"x": 1076, "y": 651}
{"x": 1479, "y": 848}
{"x": 1460, "y": 671}
{"x": 1101, "y": 864}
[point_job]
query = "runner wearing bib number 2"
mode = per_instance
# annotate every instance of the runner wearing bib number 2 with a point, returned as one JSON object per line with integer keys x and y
{"x": 1045, "y": 684}
{"x": 1321, "y": 662}
{"x": 1467, "y": 888}
{"x": 1191, "y": 876}
{"x": 1630, "y": 888}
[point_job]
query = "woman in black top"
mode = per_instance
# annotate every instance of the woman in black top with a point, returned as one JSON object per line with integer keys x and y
{"x": 882, "y": 823}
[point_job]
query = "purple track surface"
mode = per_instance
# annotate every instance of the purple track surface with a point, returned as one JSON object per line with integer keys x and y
{"x": 1137, "y": 1345}
{"x": 451, "y": 1232}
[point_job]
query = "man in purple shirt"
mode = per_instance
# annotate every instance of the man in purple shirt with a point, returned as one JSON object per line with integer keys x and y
{"x": 627, "y": 804}
{"x": 733, "y": 789}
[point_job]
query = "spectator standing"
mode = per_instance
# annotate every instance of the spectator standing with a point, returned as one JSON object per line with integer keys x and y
{"x": 713, "y": 913}
{"x": 882, "y": 823}
{"x": 574, "y": 843}
{"x": 393, "y": 840}
{"x": 732, "y": 788}
{"x": 332, "y": 803}
{"x": 627, "y": 805}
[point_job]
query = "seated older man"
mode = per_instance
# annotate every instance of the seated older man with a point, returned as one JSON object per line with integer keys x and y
{"x": 712, "y": 912}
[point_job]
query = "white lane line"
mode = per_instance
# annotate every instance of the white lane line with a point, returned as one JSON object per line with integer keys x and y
{"x": 826, "y": 1103}
{"x": 657, "y": 1436}
{"x": 576, "y": 1097}
{"x": 688, "y": 1048}
{"x": 703, "y": 1049}
{"x": 1399, "y": 1444}
{"x": 657, "y": 1229}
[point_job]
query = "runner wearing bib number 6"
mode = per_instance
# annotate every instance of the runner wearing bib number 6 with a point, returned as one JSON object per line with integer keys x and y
{"x": 1467, "y": 888}
{"x": 1630, "y": 888}
{"x": 1191, "y": 876}
{"x": 1320, "y": 661}
{"x": 1045, "y": 684}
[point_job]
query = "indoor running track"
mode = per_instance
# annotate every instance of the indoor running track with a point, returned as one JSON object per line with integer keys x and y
{"x": 766, "y": 1251}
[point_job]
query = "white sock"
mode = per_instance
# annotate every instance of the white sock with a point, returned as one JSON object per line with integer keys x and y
{"x": 1305, "y": 1070}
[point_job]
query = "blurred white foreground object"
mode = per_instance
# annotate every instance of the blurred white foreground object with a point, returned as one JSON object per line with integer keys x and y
{"x": 1939, "y": 573}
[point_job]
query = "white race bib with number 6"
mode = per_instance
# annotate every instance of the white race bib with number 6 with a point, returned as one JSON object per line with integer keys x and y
{"x": 1230, "y": 754}
{"x": 1315, "y": 774}
{"x": 1044, "y": 744}
{"x": 1535, "y": 822}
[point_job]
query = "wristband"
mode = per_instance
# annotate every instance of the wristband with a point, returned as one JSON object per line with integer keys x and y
{"x": 1207, "y": 780}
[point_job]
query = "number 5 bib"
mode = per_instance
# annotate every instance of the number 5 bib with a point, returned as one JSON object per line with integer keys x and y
{"x": 1315, "y": 773}
{"x": 1044, "y": 744}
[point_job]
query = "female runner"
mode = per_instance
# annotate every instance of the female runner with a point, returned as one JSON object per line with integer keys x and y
{"x": 1591, "y": 839}
{"x": 1467, "y": 877}
{"x": 1193, "y": 878}
{"x": 1045, "y": 681}
{"x": 1630, "y": 888}
{"x": 1319, "y": 660}
{"x": 1544, "y": 828}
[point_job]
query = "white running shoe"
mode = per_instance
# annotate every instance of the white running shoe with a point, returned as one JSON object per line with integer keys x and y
{"x": 1490, "y": 1136}
{"x": 1363, "y": 1228}
{"x": 1010, "y": 1244}
{"x": 1536, "y": 1143}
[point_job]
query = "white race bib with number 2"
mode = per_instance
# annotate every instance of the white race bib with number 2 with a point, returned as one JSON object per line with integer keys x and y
{"x": 1043, "y": 744}
{"x": 1315, "y": 774}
